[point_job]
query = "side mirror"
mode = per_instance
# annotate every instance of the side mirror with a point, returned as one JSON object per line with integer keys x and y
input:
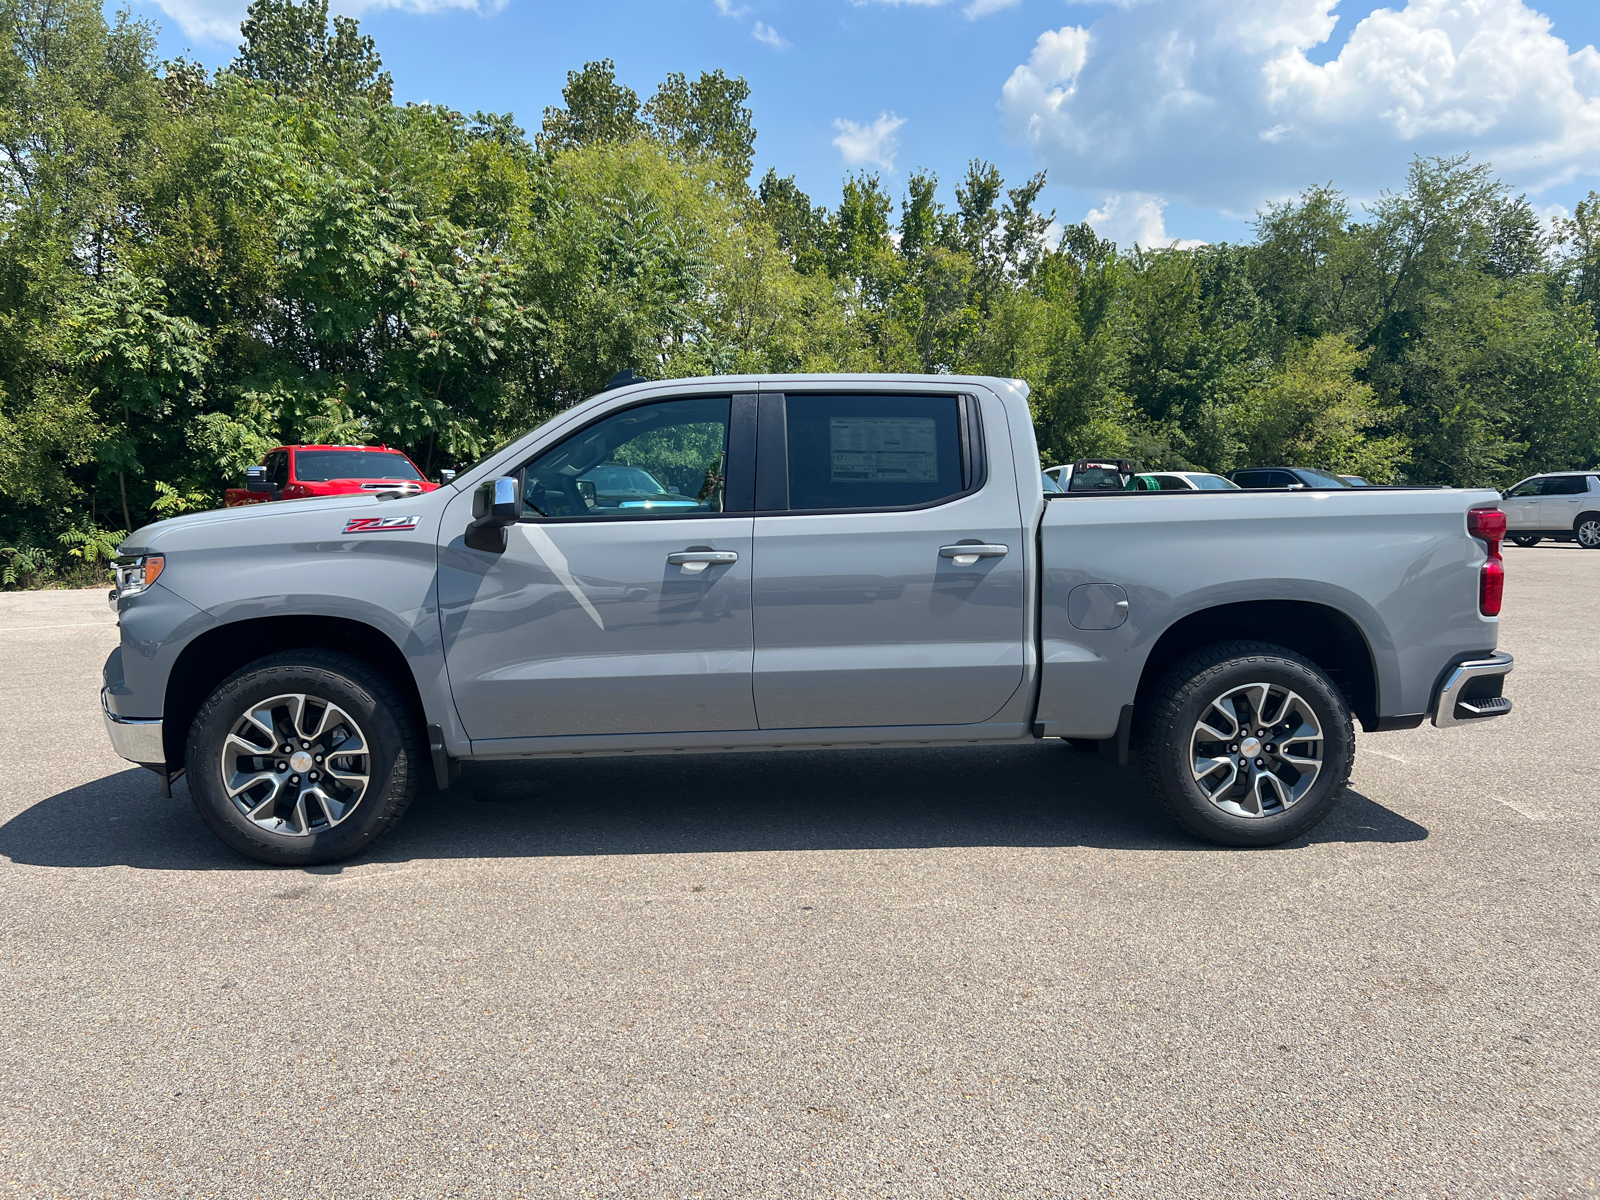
{"x": 447, "y": 476}
{"x": 255, "y": 480}
{"x": 496, "y": 504}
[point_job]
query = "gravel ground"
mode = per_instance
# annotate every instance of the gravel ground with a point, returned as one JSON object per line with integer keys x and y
{"x": 967, "y": 972}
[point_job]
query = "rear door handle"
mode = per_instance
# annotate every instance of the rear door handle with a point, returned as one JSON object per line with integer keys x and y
{"x": 695, "y": 561}
{"x": 965, "y": 556}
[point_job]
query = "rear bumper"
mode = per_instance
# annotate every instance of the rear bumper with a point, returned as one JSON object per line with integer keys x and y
{"x": 138, "y": 741}
{"x": 1472, "y": 691}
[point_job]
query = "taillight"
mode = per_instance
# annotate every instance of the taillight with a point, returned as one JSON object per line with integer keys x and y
{"x": 1491, "y": 587}
{"x": 1489, "y": 526}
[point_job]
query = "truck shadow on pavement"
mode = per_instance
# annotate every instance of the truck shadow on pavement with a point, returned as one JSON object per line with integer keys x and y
{"x": 1043, "y": 795}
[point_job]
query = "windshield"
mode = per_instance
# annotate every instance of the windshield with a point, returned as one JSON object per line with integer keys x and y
{"x": 1213, "y": 483}
{"x": 1320, "y": 478}
{"x": 319, "y": 466}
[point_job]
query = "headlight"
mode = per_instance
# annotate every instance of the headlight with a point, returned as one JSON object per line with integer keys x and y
{"x": 135, "y": 572}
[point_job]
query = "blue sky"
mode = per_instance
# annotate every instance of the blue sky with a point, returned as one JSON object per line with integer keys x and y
{"x": 1158, "y": 120}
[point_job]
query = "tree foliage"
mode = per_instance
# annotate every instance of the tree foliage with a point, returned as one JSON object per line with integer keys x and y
{"x": 195, "y": 267}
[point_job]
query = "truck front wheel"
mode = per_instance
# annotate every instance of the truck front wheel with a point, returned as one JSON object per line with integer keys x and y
{"x": 1246, "y": 744}
{"x": 302, "y": 757}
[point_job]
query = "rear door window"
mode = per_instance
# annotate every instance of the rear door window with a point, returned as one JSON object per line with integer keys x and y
{"x": 859, "y": 452}
{"x": 1253, "y": 479}
{"x": 1565, "y": 485}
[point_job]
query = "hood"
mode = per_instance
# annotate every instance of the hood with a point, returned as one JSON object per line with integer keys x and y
{"x": 267, "y": 522}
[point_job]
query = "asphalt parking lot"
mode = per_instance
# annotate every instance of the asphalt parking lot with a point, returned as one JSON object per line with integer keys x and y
{"x": 969, "y": 972}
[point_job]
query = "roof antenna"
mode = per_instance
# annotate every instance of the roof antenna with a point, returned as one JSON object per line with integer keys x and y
{"x": 623, "y": 378}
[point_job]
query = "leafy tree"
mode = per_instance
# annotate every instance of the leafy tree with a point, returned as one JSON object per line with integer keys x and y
{"x": 288, "y": 46}
{"x": 708, "y": 116}
{"x": 598, "y": 110}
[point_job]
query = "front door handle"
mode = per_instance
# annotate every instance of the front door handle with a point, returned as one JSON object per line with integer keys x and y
{"x": 966, "y": 555}
{"x": 695, "y": 561}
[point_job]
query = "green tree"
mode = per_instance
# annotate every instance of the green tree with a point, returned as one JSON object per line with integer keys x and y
{"x": 707, "y": 116}
{"x": 598, "y": 110}
{"x": 288, "y": 47}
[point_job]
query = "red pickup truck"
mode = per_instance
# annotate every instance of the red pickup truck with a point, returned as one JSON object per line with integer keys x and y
{"x": 298, "y": 472}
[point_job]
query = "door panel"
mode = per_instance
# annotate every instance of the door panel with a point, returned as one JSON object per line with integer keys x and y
{"x": 621, "y": 603}
{"x": 1521, "y": 506}
{"x": 587, "y": 629}
{"x": 1561, "y": 499}
{"x": 859, "y": 619}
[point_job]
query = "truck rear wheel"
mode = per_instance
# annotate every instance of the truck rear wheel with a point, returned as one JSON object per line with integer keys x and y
{"x": 1246, "y": 744}
{"x": 302, "y": 757}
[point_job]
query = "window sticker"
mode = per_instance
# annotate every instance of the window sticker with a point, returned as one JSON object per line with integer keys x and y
{"x": 884, "y": 449}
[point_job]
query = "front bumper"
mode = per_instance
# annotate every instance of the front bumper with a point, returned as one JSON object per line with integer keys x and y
{"x": 1471, "y": 691}
{"x": 138, "y": 741}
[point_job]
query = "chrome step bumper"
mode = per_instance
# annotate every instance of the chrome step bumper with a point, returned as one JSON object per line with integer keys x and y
{"x": 138, "y": 741}
{"x": 1451, "y": 709}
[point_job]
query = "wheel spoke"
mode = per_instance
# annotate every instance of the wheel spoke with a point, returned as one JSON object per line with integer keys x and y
{"x": 331, "y": 808}
{"x": 1219, "y": 735}
{"x": 1269, "y": 789}
{"x": 1205, "y": 767}
{"x": 331, "y": 716}
{"x": 247, "y": 748}
{"x": 239, "y": 784}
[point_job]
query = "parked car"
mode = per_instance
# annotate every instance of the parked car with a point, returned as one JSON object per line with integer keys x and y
{"x": 870, "y": 560}
{"x": 301, "y": 472}
{"x": 1093, "y": 475}
{"x": 1307, "y": 478}
{"x": 1562, "y": 506}
{"x": 1182, "y": 481}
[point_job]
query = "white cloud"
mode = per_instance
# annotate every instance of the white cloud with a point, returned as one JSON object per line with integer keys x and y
{"x": 1136, "y": 218}
{"x": 869, "y": 145}
{"x": 1216, "y": 101}
{"x": 727, "y": 8}
{"x": 218, "y": 20}
{"x": 766, "y": 33}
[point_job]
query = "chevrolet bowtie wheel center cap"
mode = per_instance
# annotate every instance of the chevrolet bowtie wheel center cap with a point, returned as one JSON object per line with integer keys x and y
{"x": 1250, "y": 747}
{"x": 301, "y": 760}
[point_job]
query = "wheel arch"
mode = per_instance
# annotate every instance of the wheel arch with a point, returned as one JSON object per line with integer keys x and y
{"x": 1588, "y": 514}
{"x": 1320, "y": 632}
{"x": 223, "y": 649}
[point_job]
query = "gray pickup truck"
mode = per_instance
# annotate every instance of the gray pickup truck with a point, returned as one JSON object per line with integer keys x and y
{"x": 759, "y": 563}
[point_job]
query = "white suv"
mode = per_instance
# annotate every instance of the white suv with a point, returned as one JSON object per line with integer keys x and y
{"x": 1563, "y": 506}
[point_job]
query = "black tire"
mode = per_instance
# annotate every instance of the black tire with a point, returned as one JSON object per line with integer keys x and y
{"x": 1525, "y": 540}
{"x": 1586, "y": 531}
{"x": 392, "y": 760}
{"x": 1185, "y": 693}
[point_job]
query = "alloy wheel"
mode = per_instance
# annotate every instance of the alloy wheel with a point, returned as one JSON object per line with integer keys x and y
{"x": 1256, "y": 750}
{"x": 295, "y": 764}
{"x": 1588, "y": 533}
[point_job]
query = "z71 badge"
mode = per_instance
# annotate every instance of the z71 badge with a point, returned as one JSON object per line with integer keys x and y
{"x": 379, "y": 524}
